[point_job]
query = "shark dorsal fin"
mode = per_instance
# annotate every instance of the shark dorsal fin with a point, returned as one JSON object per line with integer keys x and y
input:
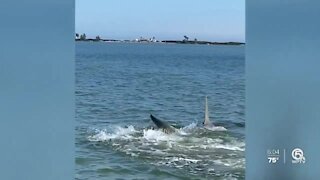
{"x": 162, "y": 125}
{"x": 206, "y": 113}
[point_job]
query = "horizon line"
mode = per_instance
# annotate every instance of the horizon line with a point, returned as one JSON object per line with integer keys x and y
{"x": 152, "y": 37}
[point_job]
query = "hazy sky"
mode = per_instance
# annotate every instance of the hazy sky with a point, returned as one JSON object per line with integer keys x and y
{"x": 214, "y": 20}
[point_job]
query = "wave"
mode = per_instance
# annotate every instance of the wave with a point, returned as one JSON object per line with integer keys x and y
{"x": 158, "y": 135}
{"x": 191, "y": 147}
{"x": 119, "y": 132}
{"x": 216, "y": 128}
{"x": 188, "y": 137}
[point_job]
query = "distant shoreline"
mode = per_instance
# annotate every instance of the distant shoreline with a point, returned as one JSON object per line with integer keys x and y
{"x": 162, "y": 42}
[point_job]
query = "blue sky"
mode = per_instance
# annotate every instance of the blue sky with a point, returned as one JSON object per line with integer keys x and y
{"x": 214, "y": 20}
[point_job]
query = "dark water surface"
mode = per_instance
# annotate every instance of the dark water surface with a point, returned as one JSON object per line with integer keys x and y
{"x": 118, "y": 86}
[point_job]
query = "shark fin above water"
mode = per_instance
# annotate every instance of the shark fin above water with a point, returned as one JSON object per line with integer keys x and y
{"x": 162, "y": 125}
{"x": 206, "y": 121}
{"x": 169, "y": 129}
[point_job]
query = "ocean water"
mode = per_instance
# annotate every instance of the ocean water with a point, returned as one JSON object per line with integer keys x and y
{"x": 118, "y": 86}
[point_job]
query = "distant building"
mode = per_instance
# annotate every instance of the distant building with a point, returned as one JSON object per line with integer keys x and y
{"x": 83, "y": 37}
{"x": 142, "y": 39}
{"x": 153, "y": 39}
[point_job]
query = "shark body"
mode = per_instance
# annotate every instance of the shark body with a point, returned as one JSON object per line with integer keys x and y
{"x": 162, "y": 125}
{"x": 167, "y": 128}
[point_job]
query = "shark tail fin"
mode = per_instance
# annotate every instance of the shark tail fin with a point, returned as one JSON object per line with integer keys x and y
{"x": 206, "y": 113}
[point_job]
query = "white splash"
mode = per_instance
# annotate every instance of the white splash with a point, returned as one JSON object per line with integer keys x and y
{"x": 119, "y": 133}
{"x": 216, "y": 128}
{"x": 158, "y": 135}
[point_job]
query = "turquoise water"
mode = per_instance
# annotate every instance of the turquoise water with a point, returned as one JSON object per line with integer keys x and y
{"x": 118, "y": 86}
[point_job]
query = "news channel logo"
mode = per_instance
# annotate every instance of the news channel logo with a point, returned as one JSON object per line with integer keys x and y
{"x": 298, "y": 156}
